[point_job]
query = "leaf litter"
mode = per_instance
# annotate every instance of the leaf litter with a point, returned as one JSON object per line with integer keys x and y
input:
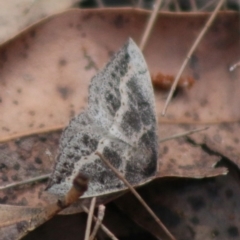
{"x": 25, "y": 13}
{"x": 211, "y": 100}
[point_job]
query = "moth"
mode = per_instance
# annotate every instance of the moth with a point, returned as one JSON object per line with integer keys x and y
{"x": 119, "y": 122}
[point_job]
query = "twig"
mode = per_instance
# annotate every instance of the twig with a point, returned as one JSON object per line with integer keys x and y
{"x": 225, "y": 6}
{"x": 234, "y": 66}
{"x": 177, "y": 7}
{"x": 100, "y": 3}
{"x": 133, "y": 3}
{"x": 101, "y": 212}
{"x": 193, "y": 5}
{"x": 165, "y": 5}
{"x": 150, "y": 24}
{"x": 90, "y": 217}
{"x": 183, "y": 134}
{"x": 194, "y": 46}
{"x": 140, "y": 4}
{"x": 30, "y": 133}
{"x": 210, "y": 122}
{"x": 34, "y": 179}
{"x": 107, "y": 231}
{"x": 208, "y": 4}
{"x": 119, "y": 175}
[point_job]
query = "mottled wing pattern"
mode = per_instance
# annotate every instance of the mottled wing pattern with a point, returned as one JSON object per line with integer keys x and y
{"x": 120, "y": 122}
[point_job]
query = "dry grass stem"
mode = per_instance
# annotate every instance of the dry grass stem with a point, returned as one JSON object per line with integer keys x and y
{"x": 182, "y": 134}
{"x": 150, "y": 24}
{"x": 101, "y": 212}
{"x": 119, "y": 175}
{"x": 194, "y": 46}
{"x": 193, "y": 5}
{"x": 177, "y": 7}
{"x": 30, "y": 133}
{"x": 234, "y": 66}
{"x": 100, "y": 3}
{"x": 90, "y": 218}
{"x": 140, "y": 4}
{"x": 207, "y": 5}
{"x": 105, "y": 229}
{"x": 24, "y": 182}
{"x": 165, "y": 5}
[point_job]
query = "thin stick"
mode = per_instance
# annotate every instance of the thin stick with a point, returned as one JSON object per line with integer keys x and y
{"x": 105, "y": 229}
{"x": 150, "y": 24}
{"x": 90, "y": 217}
{"x": 30, "y": 133}
{"x": 119, "y": 175}
{"x": 209, "y": 3}
{"x": 193, "y": 5}
{"x": 177, "y": 7}
{"x": 34, "y": 179}
{"x": 194, "y": 46}
{"x": 100, "y": 3}
{"x": 140, "y": 4}
{"x": 225, "y": 6}
{"x": 213, "y": 122}
{"x": 234, "y": 66}
{"x": 182, "y": 134}
{"x": 133, "y": 3}
{"x": 101, "y": 212}
{"x": 165, "y": 5}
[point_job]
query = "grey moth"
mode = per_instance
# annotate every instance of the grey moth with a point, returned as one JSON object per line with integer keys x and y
{"x": 119, "y": 122}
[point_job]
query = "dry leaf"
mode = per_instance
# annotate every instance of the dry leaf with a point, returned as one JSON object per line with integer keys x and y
{"x": 191, "y": 209}
{"x": 16, "y": 15}
{"x": 223, "y": 140}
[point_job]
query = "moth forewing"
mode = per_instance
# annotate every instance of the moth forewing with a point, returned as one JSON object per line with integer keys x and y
{"x": 119, "y": 122}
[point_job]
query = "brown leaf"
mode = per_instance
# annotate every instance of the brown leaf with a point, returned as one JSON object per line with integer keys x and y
{"x": 13, "y": 220}
{"x": 21, "y": 160}
{"x": 18, "y": 15}
{"x": 179, "y": 158}
{"x": 190, "y": 209}
{"x": 222, "y": 139}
